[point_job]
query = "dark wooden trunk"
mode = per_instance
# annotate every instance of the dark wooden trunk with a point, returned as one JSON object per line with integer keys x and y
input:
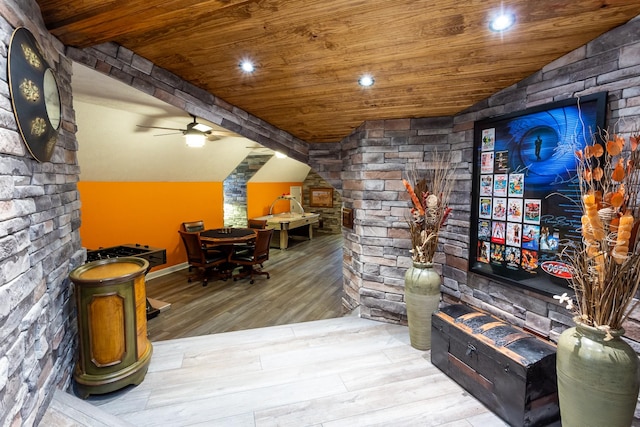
{"x": 509, "y": 370}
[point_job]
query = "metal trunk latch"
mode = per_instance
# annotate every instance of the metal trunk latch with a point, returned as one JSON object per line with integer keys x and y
{"x": 470, "y": 349}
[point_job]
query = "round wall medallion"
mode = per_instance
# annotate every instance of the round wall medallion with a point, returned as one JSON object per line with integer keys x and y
{"x": 34, "y": 95}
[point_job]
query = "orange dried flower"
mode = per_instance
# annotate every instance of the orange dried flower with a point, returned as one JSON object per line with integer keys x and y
{"x": 597, "y": 150}
{"x": 617, "y": 199}
{"x": 615, "y": 147}
{"x": 619, "y": 171}
{"x": 598, "y": 173}
{"x": 414, "y": 198}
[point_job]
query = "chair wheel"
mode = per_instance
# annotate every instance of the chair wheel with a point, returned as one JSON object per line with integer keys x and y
{"x": 251, "y": 282}
{"x": 189, "y": 280}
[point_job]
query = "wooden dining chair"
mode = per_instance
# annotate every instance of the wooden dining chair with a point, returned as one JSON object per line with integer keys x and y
{"x": 256, "y": 224}
{"x": 209, "y": 263}
{"x": 251, "y": 260}
{"x": 192, "y": 226}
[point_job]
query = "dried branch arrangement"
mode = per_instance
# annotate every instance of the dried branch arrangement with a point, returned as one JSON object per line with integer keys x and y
{"x": 429, "y": 195}
{"x": 606, "y": 268}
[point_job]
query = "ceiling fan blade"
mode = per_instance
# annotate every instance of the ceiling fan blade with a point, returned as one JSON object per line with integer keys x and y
{"x": 194, "y": 126}
{"x": 158, "y": 127}
{"x": 172, "y": 133}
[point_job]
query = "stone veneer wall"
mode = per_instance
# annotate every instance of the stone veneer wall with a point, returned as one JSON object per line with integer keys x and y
{"x": 377, "y": 153}
{"x": 235, "y": 190}
{"x": 330, "y": 218}
{"x": 39, "y": 242}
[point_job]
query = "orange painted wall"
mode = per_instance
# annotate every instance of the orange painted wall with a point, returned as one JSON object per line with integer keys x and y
{"x": 149, "y": 213}
{"x": 261, "y": 195}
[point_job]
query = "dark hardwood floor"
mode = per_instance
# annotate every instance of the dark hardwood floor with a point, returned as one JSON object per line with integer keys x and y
{"x": 305, "y": 285}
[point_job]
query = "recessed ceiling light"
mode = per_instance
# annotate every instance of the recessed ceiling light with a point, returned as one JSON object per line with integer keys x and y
{"x": 366, "y": 81}
{"x": 281, "y": 155}
{"x": 502, "y": 22}
{"x": 247, "y": 66}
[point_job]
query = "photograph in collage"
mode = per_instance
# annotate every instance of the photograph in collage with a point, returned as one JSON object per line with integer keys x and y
{"x": 512, "y": 257}
{"x": 500, "y": 185}
{"x": 486, "y": 185}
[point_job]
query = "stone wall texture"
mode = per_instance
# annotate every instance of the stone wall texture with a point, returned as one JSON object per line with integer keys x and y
{"x": 235, "y": 190}
{"x": 39, "y": 242}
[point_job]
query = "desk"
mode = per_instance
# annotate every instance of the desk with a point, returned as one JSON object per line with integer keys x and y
{"x": 220, "y": 237}
{"x": 284, "y": 222}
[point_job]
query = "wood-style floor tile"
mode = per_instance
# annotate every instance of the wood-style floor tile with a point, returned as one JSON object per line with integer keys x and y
{"x": 336, "y": 372}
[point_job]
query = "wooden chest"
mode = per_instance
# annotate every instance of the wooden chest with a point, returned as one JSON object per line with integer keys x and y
{"x": 510, "y": 371}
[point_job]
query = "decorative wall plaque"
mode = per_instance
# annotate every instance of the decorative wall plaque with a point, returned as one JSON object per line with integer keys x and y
{"x": 347, "y": 217}
{"x": 35, "y": 97}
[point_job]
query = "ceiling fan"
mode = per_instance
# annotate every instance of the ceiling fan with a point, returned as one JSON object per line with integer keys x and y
{"x": 195, "y": 133}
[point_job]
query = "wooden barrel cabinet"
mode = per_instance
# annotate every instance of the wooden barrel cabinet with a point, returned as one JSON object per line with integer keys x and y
{"x": 114, "y": 350}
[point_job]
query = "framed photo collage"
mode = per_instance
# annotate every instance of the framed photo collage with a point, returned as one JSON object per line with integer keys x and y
{"x": 526, "y": 196}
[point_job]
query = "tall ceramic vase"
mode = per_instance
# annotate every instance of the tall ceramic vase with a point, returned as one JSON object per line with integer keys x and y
{"x": 597, "y": 379}
{"x": 422, "y": 296}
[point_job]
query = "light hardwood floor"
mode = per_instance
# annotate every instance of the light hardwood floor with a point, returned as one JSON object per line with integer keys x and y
{"x": 277, "y": 353}
{"x": 336, "y": 372}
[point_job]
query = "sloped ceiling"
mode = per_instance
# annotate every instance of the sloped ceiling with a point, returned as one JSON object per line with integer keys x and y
{"x": 113, "y": 148}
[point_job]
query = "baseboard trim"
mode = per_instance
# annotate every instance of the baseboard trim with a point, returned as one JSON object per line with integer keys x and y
{"x": 168, "y": 270}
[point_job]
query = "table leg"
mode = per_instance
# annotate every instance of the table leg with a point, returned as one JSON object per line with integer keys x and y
{"x": 284, "y": 239}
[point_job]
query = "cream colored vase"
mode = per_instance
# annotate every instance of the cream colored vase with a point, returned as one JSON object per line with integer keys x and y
{"x": 422, "y": 297}
{"x": 597, "y": 379}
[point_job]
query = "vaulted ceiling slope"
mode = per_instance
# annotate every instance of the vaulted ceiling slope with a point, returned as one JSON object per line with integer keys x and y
{"x": 428, "y": 57}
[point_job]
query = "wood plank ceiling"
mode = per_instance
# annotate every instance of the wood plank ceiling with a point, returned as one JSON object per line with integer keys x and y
{"x": 428, "y": 57}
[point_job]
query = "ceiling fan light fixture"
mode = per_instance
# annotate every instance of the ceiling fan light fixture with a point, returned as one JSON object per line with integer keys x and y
{"x": 194, "y": 139}
{"x": 201, "y": 127}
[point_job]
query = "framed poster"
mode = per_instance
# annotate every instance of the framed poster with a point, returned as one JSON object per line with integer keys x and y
{"x": 321, "y": 197}
{"x": 526, "y": 199}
